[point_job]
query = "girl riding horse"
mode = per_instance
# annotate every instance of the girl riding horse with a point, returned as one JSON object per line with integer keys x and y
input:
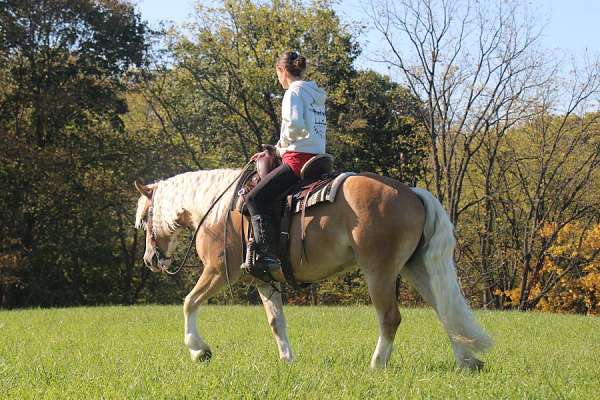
{"x": 303, "y": 127}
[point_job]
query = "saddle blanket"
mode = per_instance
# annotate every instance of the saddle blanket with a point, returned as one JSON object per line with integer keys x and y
{"x": 326, "y": 192}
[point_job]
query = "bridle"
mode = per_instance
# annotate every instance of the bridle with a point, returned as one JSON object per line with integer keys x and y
{"x": 159, "y": 255}
{"x": 161, "y": 258}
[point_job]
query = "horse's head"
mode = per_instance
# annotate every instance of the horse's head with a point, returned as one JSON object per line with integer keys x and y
{"x": 159, "y": 241}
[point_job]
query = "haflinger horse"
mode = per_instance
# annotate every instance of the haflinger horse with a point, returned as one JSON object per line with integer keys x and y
{"x": 375, "y": 222}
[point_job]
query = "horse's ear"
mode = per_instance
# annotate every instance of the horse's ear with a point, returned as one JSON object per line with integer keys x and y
{"x": 143, "y": 189}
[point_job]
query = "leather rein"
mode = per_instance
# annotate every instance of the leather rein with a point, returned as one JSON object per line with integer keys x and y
{"x": 160, "y": 257}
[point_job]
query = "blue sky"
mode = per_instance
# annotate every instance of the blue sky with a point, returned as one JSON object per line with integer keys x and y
{"x": 572, "y": 27}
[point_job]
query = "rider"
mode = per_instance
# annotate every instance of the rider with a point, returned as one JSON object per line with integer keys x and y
{"x": 302, "y": 135}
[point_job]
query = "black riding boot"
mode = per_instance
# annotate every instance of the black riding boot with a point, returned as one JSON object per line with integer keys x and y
{"x": 264, "y": 240}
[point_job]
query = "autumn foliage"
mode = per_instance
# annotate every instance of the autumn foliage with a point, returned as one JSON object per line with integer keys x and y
{"x": 573, "y": 264}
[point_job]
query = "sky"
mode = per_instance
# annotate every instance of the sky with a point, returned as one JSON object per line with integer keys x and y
{"x": 572, "y": 27}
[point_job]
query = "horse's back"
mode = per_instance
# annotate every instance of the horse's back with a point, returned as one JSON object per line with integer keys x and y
{"x": 373, "y": 220}
{"x": 390, "y": 217}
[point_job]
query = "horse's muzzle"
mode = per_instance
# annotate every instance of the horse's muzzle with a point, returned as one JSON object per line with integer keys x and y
{"x": 151, "y": 262}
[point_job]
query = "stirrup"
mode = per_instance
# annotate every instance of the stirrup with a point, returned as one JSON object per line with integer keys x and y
{"x": 268, "y": 263}
{"x": 260, "y": 269}
{"x": 259, "y": 265}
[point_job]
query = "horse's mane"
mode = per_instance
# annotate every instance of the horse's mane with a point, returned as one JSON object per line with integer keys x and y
{"x": 195, "y": 192}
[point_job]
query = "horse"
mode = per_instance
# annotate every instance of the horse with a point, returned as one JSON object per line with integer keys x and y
{"x": 375, "y": 222}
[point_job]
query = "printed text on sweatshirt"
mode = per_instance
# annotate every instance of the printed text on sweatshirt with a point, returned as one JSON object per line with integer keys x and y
{"x": 303, "y": 120}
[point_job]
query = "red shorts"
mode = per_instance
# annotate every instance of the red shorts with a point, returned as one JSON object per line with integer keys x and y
{"x": 296, "y": 160}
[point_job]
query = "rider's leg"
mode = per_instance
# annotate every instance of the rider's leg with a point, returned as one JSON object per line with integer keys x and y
{"x": 260, "y": 204}
{"x": 260, "y": 199}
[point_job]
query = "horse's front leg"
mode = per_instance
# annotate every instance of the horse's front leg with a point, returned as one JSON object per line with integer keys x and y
{"x": 210, "y": 282}
{"x": 273, "y": 304}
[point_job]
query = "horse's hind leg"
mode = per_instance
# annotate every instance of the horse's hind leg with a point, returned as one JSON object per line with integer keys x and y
{"x": 273, "y": 304}
{"x": 415, "y": 272}
{"x": 382, "y": 290}
{"x": 210, "y": 282}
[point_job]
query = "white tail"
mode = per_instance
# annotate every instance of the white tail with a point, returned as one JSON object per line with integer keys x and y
{"x": 431, "y": 271}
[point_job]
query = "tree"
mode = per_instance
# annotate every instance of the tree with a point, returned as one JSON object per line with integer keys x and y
{"x": 378, "y": 130}
{"x": 64, "y": 65}
{"x": 547, "y": 193}
{"x": 570, "y": 276}
{"x": 475, "y": 67}
{"x": 512, "y": 148}
{"x": 537, "y": 187}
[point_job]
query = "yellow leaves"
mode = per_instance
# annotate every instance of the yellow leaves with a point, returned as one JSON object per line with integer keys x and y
{"x": 547, "y": 230}
{"x": 549, "y": 266}
{"x": 592, "y": 240}
{"x": 544, "y": 305}
{"x": 593, "y": 266}
{"x": 572, "y": 260}
{"x": 578, "y": 291}
{"x": 591, "y": 282}
{"x": 535, "y": 291}
{"x": 513, "y": 296}
{"x": 573, "y": 240}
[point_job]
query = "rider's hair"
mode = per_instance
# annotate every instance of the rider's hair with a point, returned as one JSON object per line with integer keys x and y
{"x": 293, "y": 62}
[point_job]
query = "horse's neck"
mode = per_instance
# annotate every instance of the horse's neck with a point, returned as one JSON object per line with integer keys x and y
{"x": 186, "y": 198}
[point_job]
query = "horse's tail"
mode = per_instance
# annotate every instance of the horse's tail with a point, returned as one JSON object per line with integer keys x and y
{"x": 431, "y": 271}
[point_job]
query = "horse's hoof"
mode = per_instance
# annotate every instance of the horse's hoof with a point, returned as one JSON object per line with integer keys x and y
{"x": 201, "y": 355}
{"x": 375, "y": 365}
{"x": 288, "y": 359}
{"x": 472, "y": 364}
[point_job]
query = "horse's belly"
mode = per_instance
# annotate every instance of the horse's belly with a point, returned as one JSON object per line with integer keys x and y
{"x": 326, "y": 250}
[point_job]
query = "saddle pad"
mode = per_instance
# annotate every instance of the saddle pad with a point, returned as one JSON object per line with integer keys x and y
{"x": 325, "y": 193}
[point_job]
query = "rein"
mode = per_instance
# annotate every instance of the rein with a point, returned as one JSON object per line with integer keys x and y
{"x": 187, "y": 253}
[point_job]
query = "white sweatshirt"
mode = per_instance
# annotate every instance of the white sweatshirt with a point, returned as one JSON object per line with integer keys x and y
{"x": 303, "y": 121}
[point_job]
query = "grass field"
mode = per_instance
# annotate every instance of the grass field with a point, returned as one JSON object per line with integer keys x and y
{"x": 137, "y": 352}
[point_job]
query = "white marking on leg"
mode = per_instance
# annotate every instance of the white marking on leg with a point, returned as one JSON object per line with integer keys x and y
{"x": 274, "y": 309}
{"x": 382, "y": 352}
{"x": 209, "y": 283}
{"x": 382, "y": 291}
{"x": 198, "y": 348}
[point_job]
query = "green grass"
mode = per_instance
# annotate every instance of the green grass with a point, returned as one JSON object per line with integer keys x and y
{"x": 138, "y": 352}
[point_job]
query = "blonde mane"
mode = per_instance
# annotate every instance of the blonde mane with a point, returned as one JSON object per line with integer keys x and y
{"x": 193, "y": 192}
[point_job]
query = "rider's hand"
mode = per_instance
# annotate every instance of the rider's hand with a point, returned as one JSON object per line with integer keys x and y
{"x": 256, "y": 156}
{"x": 269, "y": 147}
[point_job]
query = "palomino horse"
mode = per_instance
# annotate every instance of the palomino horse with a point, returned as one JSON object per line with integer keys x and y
{"x": 376, "y": 222}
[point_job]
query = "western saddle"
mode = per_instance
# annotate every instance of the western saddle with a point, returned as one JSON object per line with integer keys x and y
{"x": 314, "y": 176}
